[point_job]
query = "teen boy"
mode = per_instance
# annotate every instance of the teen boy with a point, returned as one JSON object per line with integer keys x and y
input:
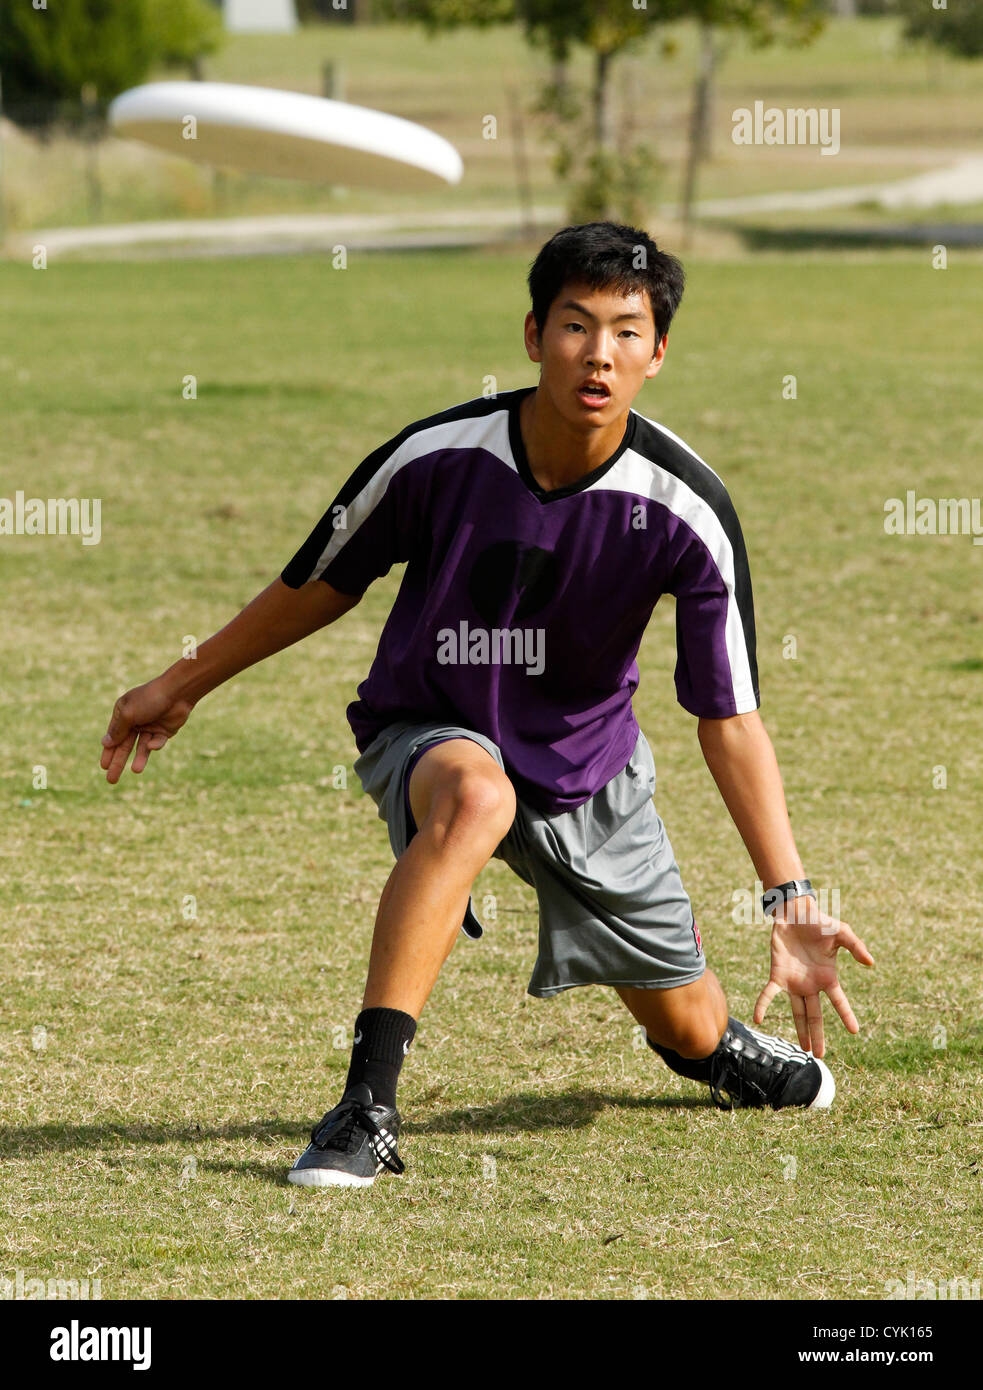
{"x": 538, "y": 529}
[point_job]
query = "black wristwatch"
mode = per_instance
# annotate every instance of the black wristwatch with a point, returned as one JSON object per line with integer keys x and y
{"x": 775, "y": 897}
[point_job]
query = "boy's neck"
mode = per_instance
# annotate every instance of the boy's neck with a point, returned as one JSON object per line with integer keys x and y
{"x": 557, "y": 453}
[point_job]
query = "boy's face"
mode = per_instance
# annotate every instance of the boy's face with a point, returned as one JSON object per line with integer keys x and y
{"x": 597, "y": 335}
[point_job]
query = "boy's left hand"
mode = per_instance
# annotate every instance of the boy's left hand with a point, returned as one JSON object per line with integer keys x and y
{"x": 804, "y": 943}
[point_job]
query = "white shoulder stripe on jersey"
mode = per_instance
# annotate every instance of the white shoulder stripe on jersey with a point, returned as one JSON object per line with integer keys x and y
{"x": 489, "y": 432}
{"x": 635, "y": 473}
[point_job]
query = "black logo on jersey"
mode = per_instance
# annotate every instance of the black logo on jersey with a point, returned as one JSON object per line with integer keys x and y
{"x": 507, "y": 568}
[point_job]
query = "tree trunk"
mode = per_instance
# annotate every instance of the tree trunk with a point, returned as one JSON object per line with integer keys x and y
{"x": 91, "y": 134}
{"x": 603, "y": 130}
{"x": 700, "y": 123}
{"x": 560, "y": 76}
{"x": 521, "y": 163}
{"x": 709, "y": 58}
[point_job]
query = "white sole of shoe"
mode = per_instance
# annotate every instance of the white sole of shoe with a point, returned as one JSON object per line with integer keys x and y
{"x": 326, "y": 1177}
{"x": 827, "y": 1089}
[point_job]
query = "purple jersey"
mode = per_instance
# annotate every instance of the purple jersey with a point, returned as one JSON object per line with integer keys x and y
{"x": 521, "y": 611}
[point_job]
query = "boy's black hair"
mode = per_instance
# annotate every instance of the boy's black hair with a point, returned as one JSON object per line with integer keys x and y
{"x": 607, "y": 255}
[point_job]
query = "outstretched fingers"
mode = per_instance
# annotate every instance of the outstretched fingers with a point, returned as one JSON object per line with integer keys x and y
{"x": 841, "y": 1004}
{"x": 801, "y": 1020}
{"x": 764, "y": 999}
{"x": 814, "y": 1019}
{"x": 849, "y": 939}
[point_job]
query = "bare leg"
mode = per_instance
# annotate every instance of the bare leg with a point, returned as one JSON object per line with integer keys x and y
{"x": 689, "y": 1019}
{"x": 463, "y": 804}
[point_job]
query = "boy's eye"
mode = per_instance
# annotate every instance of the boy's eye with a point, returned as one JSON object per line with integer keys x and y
{"x": 630, "y": 331}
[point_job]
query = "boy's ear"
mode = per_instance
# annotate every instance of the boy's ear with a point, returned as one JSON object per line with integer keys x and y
{"x": 531, "y": 337}
{"x": 658, "y": 357}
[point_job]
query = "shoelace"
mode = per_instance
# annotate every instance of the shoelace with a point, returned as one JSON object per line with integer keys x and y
{"x": 727, "y": 1077}
{"x": 341, "y": 1135}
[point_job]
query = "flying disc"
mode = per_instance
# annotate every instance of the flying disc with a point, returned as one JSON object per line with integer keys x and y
{"x": 288, "y": 134}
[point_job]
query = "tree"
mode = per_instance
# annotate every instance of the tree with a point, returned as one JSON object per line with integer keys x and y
{"x": 183, "y": 31}
{"x": 606, "y": 27}
{"x": 764, "y": 22}
{"x": 438, "y": 15}
{"x": 608, "y": 172}
{"x": 957, "y": 28}
{"x": 50, "y": 58}
{"x": 601, "y": 170}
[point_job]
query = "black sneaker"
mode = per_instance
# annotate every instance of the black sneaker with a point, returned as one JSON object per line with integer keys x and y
{"x": 351, "y": 1144}
{"x": 752, "y": 1069}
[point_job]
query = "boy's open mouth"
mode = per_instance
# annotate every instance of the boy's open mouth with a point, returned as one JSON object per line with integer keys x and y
{"x": 593, "y": 393}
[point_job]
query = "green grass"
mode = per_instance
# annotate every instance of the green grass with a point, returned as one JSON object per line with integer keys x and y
{"x": 902, "y": 111}
{"x": 147, "y": 1129}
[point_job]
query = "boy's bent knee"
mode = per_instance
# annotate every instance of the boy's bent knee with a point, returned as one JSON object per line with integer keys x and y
{"x": 461, "y": 794}
{"x": 477, "y": 801}
{"x": 458, "y": 785}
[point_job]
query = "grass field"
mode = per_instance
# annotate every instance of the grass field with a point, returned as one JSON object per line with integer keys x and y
{"x": 903, "y": 110}
{"x": 161, "y": 1070}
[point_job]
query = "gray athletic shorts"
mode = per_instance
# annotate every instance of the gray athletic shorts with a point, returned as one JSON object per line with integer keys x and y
{"x": 612, "y": 907}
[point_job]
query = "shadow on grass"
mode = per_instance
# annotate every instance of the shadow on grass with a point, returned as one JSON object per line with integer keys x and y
{"x": 763, "y": 238}
{"x": 64, "y": 1138}
{"x": 529, "y": 1112}
{"x": 523, "y": 1111}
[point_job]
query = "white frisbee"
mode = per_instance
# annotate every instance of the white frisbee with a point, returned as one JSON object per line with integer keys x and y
{"x": 264, "y": 131}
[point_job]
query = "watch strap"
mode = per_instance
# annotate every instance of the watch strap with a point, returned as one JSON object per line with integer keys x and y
{"x": 796, "y": 888}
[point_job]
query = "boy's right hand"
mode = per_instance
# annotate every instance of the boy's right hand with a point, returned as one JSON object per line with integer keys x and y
{"x": 149, "y": 713}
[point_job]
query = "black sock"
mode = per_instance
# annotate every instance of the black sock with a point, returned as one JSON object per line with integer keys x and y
{"x": 696, "y": 1068}
{"x": 382, "y": 1040}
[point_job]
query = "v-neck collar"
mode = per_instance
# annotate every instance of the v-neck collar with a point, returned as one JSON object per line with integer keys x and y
{"x": 522, "y": 463}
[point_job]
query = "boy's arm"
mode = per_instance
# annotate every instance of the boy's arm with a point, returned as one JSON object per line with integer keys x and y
{"x": 274, "y": 619}
{"x": 804, "y": 940}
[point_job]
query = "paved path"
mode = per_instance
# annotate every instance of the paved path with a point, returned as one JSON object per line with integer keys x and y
{"x": 959, "y": 183}
{"x": 291, "y": 232}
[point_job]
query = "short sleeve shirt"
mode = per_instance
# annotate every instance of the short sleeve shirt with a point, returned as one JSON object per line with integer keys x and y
{"x": 521, "y": 611}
